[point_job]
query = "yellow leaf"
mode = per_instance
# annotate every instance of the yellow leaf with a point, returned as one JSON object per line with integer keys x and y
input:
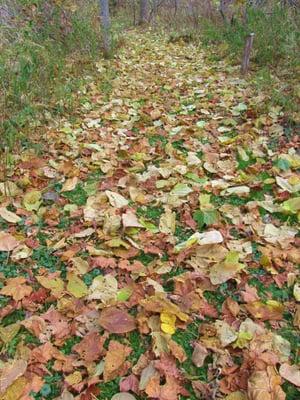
{"x": 56, "y": 285}
{"x": 236, "y": 396}
{"x": 8, "y": 332}
{"x": 168, "y": 322}
{"x": 74, "y": 378}
{"x": 15, "y": 390}
{"x": 242, "y": 340}
{"x": 32, "y": 200}
{"x": 76, "y": 286}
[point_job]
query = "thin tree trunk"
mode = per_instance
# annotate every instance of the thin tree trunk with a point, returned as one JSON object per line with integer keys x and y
{"x": 105, "y": 22}
{"x": 247, "y": 53}
{"x": 143, "y": 12}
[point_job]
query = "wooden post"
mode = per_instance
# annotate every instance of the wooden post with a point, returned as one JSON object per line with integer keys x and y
{"x": 247, "y": 53}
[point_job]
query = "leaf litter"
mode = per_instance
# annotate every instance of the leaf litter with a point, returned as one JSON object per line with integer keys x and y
{"x": 152, "y": 250}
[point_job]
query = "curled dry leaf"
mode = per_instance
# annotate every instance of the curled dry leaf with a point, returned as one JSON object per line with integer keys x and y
{"x": 117, "y": 321}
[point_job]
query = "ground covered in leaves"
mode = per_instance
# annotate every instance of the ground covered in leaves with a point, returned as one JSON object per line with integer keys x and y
{"x": 150, "y": 250}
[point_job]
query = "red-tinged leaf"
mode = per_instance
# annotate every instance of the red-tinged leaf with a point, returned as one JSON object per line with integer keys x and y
{"x": 115, "y": 320}
{"x": 103, "y": 262}
{"x": 130, "y": 383}
{"x": 250, "y": 294}
{"x": 91, "y": 347}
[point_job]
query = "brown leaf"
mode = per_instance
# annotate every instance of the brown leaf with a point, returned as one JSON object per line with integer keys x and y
{"x": 117, "y": 321}
{"x": 10, "y": 373}
{"x": 91, "y": 346}
{"x": 7, "y": 242}
{"x": 115, "y": 360}
{"x": 199, "y": 355}
{"x": 16, "y": 289}
{"x": 177, "y": 351}
{"x": 272, "y": 310}
{"x": 265, "y": 385}
{"x": 291, "y": 373}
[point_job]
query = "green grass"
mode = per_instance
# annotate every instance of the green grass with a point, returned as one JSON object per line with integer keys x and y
{"x": 43, "y": 65}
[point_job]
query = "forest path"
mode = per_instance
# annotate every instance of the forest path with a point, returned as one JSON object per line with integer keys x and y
{"x": 154, "y": 240}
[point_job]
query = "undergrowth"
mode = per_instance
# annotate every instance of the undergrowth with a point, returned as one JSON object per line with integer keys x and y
{"x": 48, "y": 56}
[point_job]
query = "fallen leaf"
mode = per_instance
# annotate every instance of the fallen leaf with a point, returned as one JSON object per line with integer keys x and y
{"x": 56, "y": 285}
{"x": 168, "y": 322}
{"x": 130, "y": 220}
{"x": 271, "y": 310}
{"x": 70, "y": 184}
{"x": 199, "y": 354}
{"x": 116, "y": 200}
{"x": 265, "y": 385}
{"x": 9, "y": 216}
{"x": 76, "y": 286}
{"x": 290, "y": 373}
{"x": 115, "y": 360}
{"x": 7, "y": 333}
{"x": 7, "y": 242}
{"x": 16, "y": 288}
{"x": 226, "y": 270}
{"x": 10, "y": 372}
{"x": 91, "y": 347}
{"x": 32, "y": 200}
{"x": 116, "y": 321}
{"x": 15, "y": 390}
{"x": 123, "y": 396}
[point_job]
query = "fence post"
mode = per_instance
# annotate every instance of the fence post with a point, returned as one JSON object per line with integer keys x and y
{"x": 247, "y": 53}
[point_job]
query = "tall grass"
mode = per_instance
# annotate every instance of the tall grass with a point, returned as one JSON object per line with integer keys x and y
{"x": 45, "y": 57}
{"x": 277, "y": 35}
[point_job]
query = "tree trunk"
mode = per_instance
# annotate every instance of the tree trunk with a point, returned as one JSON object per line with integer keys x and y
{"x": 105, "y": 22}
{"x": 143, "y": 12}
